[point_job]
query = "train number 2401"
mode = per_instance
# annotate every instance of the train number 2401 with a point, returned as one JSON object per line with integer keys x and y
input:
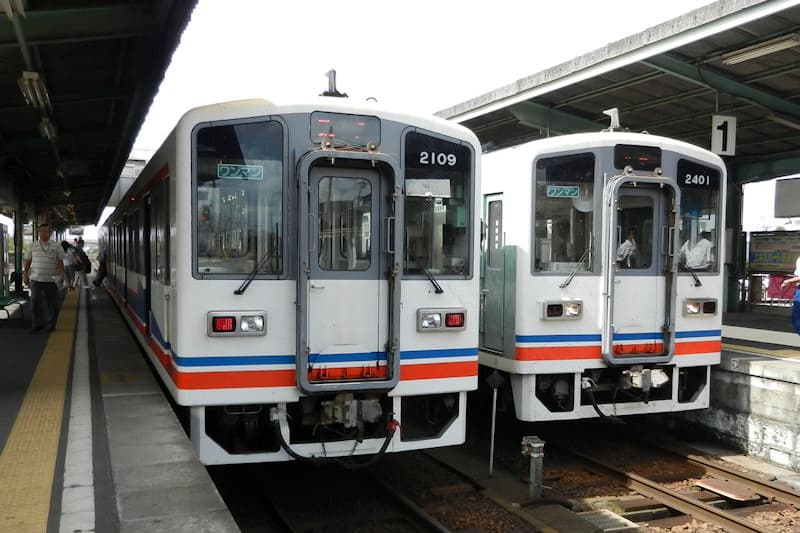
{"x": 697, "y": 179}
{"x": 437, "y": 158}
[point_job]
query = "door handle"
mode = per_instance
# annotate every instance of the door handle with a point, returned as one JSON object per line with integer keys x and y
{"x": 318, "y": 287}
{"x": 389, "y": 226}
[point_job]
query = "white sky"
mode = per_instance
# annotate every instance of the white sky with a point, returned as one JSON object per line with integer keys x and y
{"x": 419, "y": 56}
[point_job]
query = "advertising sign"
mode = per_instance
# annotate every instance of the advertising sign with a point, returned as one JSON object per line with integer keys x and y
{"x": 773, "y": 251}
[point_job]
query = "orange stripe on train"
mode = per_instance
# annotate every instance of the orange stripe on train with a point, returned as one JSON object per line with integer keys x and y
{"x": 439, "y": 370}
{"x": 688, "y": 348}
{"x": 288, "y": 378}
{"x": 551, "y": 353}
{"x": 558, "y": 353}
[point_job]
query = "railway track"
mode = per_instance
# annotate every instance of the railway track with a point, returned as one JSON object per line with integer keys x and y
{"x": 305, "y": 498}
{"x": 356, "y": 502}
{"x": 737, "y": 493}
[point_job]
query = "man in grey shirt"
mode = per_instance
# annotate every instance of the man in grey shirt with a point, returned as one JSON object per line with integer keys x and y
{"x": 43, "y": 263}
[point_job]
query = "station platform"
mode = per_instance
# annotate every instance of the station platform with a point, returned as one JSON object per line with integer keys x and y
{"x": 90, "y": 443}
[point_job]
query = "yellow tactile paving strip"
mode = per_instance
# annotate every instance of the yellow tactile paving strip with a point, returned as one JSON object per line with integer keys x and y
{"x": 788, "y": 353}
{"x": 27, "y": 465}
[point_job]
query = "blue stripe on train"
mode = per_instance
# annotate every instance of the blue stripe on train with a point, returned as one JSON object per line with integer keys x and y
{"x": 317, "y": 358}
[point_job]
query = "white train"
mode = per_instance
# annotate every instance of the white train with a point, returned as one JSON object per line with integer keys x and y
{"x": 602, "y": 274}
{"x": 306, "y": 278}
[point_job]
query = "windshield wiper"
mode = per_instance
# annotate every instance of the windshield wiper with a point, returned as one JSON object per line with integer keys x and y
{"x": 436, "y": 287}
{"x": 697, "y": 282}
{"x": 261, "y": 264}
{"x": 587, "y": 256}
{"x": 575, "y": 270}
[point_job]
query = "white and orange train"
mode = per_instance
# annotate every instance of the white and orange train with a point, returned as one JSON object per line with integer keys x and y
{"x": 305, "y": 279}
{"x": 602, "y": 274}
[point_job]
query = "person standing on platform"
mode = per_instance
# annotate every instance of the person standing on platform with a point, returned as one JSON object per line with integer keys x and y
{"x": 44, "y": 262}
{"x": 84, "y": 267}
{"x": 70, "y": 261}
{"x": 796, "y": 304}
{"x": 101, "y": 270}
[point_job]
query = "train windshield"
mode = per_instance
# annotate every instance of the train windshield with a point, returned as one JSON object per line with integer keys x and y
{"x": 238, "y": 212}
{"x": 699, "y": 228}
{"x": 563, "y": 223}
{"x": 438, "y": 188}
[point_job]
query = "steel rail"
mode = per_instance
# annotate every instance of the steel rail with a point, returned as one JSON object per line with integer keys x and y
{"x": 762, "y": 486}
{"x": 673, "y": 499}
{"x": 769, "y": 489}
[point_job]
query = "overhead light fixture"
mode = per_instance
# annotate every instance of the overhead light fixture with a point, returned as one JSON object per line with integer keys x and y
{"x": 33, "y": 90}
{"x": 761, "y": 49}
{"x": 47, "y": 129}
{"x": 12, "y": 7}
{"x": 784, "y": 121}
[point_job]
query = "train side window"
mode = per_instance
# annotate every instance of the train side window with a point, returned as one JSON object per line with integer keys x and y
{"x": 563, "y": 220}
{"x": 238, "y": 211}
{"x": 699, "y": 217}
{"x": 438, "y": 206}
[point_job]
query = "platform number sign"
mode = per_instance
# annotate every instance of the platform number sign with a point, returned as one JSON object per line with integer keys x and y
{"x": 723, "y": 135}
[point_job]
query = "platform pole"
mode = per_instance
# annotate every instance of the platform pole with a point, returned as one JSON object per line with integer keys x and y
{"x": 494, "y": 380}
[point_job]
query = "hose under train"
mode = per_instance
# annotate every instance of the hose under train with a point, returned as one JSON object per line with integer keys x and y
{"x": 391, "y": 428}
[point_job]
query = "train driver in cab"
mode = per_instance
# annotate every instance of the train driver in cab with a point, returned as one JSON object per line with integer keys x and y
{"x": 627, "y": 251}
{"x": 700, "y": 256}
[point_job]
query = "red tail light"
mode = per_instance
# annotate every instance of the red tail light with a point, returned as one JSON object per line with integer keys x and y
{"x": 223, "y": 324}
{"x": 454, "y": 320}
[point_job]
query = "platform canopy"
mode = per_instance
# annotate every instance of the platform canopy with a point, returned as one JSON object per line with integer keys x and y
{"x": 77, "y": 78}
{"x": 739, "y": 58}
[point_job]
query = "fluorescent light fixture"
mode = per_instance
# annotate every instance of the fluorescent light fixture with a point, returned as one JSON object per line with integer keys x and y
{"x": 784, "y": 121}
{"x": 12, "y": 7}
{"x": 33, "y": 90}
{"x": 761, "y": 49}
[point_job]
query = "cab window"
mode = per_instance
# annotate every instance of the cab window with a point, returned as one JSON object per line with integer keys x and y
{"x": 699, "y": 217}
{"x": 238, "y": 199}
{"x": 563, "y": 218}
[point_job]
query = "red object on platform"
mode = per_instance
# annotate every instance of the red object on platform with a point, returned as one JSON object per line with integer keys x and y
{"x": 775, "y": 291}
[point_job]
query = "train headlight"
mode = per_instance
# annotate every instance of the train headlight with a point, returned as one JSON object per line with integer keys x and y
{"x": 562, "y": 310}
{"x": 442, "y": 319}
{"x": 430, "y": 320}
{"x": 573, "y": 309}
{"x": 252, "y": 324}
{"x": 699, "y": 307}
{"x": 693, "y": 307}
{"x": 236, "y": 323}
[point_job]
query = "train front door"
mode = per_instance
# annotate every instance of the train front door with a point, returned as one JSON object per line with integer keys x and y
{"x": 348, "y": 299}
{"x": 493, "y": 286}
{"x": 640, "y": 274}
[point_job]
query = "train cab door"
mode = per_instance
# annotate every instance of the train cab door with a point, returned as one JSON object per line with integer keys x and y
{"x": 145, "y": 250}
{"x": 493, "y": 286}
{"x": 639, "y": 274}
{"x": 350, "y": 302}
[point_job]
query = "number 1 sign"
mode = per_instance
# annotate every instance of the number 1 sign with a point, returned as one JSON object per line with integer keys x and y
{"x": 723, "y": 135}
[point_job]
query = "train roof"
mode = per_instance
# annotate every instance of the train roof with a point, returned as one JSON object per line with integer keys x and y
{"x": 259, "y": 107}
{"x": 577, "y": 141}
